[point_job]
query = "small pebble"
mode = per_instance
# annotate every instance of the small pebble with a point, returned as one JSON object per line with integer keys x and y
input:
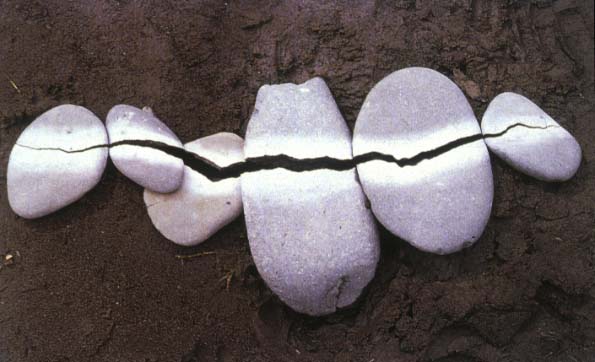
{"x": 151, "y": 168}
{"x": 547, "y": 151}
{"x": 441, "y": 204}
{"x": 41, "y": 176}
{"x": 312, "y": 238}
{"x": 200, "y": 207}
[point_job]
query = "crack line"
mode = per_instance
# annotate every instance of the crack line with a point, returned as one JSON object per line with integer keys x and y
{"x": 215, "y": 173}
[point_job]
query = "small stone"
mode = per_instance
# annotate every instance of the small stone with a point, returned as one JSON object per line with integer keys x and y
{"x": 148, "y": 167}
{"x": 312, "y": 239}
{"x": 200, "y": 207}
{"x": 442, "y": 204}
{"x": 43, "y": 175}
{"x": 544, "y": 149}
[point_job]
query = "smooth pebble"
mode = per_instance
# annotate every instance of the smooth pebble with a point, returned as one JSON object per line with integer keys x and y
{"x": 200, "y": 207}
{"x": 312, "y": 238}
{"x": 151, "y": 168}
{"x": 41, "y": 177}
{"x": 546, "y": 151}
{"x": 441, "y": 204}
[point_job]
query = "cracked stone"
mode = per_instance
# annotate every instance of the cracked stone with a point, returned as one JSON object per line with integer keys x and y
{"x": 151, "y": 168}
{"x": 547, "y": 151}
{"x": 200, "y": 207}
{"x": 312, "y": 238}
{"x": 41, "y": 176}
{"x": 442, "y": 204}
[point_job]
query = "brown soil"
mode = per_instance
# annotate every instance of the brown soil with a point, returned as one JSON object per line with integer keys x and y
{"x": 96, "y": 282}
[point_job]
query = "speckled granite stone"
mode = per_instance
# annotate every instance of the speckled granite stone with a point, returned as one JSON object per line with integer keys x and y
{"x": 441, "y": 204}
{"x": 41, "y": 178}
{"x": 549, "y": 154}
{"x": 148, "y": 167}
{"x": 313, "y": 240}
{"x": 200, "y": 207}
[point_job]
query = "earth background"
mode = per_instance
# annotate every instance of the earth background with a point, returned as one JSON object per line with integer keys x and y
{"x": 96, "y": 282}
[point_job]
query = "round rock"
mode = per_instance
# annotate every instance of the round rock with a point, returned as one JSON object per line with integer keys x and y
{"x": 200, "y": 207}
{"x": 148, "y": 167}
{"x": 442, "y": 203}
{"x": 50, "y": 166}
{"x": 532, "y": 142}
{"x": 312, "y": 238}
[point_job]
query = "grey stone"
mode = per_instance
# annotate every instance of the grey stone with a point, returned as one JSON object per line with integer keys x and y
{"x": 545, "y": 151}
{"x": 200, "y": 207}
{"x": 148, "y": 167}
{"x": 42, "y": 176}
{"x": 312, "y": 238}
{"x": 442, "y": 204}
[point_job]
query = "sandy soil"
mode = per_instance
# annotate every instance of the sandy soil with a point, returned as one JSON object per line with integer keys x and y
{"x": 96, "y": 282}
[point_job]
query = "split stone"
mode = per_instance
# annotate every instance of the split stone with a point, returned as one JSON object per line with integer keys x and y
{"x": 441, "y": 204}
{"x": 200, "y": 207}
{"x": 44, "y": 174}
{"x": 312, "y": 238}
{"x": 148, "y": 167}
{"x": 538, "y": 147}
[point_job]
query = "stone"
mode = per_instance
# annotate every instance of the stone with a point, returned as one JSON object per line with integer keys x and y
{"x": 151, "y": 168}
{"x": 443, "y": 203}
{"x": 544, "y": 149}
{"x": 200, "y": 207}
{"x": 43, "y": 175}
{"x": 312, "y": 238}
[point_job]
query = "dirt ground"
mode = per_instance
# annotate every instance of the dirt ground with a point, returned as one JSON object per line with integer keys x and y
{"x": 96, "y": 282}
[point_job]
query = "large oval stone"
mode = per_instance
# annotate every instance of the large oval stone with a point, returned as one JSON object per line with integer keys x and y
{"x": 443, "y": 203}
{"x": 148, "y": 167}
{"x": 50, "y": 166}
{"x": 313, "y": 240}
{"x": 200, "y": 207}
{"x": 535, "y": 144}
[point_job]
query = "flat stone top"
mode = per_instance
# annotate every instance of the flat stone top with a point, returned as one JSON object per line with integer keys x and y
{"x": 68, "y": 127}
{"x": 301, "y": 121}
{"x": 223, "y": 149}
{"x": 126, "y": 122}
{"x": 399, "y": 114}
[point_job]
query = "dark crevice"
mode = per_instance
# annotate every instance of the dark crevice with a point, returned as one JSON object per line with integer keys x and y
{"x": 253, "y": 164}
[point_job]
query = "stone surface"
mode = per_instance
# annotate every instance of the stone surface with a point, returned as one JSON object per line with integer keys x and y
{"x": 441, "y": 204}
{"x": 200, "y": 207}
{"x": 548, "y": 154}
{"x": 148, "y": 167}
{"x": 41, "y": 177}
{"x": 312, "y": 238}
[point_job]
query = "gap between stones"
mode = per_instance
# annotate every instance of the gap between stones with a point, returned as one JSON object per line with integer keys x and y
{"x": 215, "y": 173}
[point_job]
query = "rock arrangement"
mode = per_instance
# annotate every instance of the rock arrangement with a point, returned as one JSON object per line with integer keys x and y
{"x": 418, "y": 155}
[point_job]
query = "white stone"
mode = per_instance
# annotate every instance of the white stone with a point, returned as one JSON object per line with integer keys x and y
{"x": 41, "y": 176}
{"x": 148, "y": 167}
{"x": 312, "y": 238}
{"x": 441, "y": 204}
{"x": 200, "y": 207}
{"x": 546, "y": 151}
